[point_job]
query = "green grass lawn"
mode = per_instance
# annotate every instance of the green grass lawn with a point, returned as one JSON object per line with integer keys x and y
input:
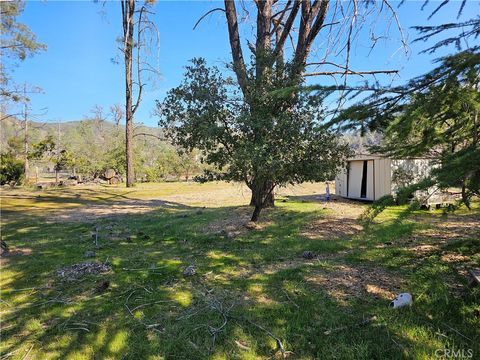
{"x": 250, "y": 286}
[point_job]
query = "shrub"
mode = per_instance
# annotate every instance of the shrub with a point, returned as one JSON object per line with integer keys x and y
{"x": 11, "y": 169}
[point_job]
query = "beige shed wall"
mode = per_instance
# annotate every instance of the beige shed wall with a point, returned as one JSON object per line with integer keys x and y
{"x": 383, "y": 177}
{"x": 341, "y": 183}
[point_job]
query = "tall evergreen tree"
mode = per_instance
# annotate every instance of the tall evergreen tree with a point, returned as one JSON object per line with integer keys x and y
{"x": 17, "y": 42}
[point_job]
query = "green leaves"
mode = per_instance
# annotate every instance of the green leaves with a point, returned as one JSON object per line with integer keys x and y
{"x": 276, "y": 137}
{"x": 436, "y": 116}
{"x": 11, "y": 169}
{"x": 16, "y": 43}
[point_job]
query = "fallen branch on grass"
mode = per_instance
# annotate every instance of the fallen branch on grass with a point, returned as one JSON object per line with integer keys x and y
{"x": 216, "y": 304}
{"x": 28, "y": 352}
{"x": 55, "y": 300}
{"x": 362, "y": 323}
{"x": 288, "y": 297}
{"x": 150, "y": 303}
{"x": 78, "y": 328}
{"x": 241, "y": 346}
{"x": 26, "y": 289}
{"x": 126, "y": 302}
{"x": 280, "y": 346}
{"x": 7, "y": 355}
{"x": 147, "y": 326}
{"x": 456, "y": 331}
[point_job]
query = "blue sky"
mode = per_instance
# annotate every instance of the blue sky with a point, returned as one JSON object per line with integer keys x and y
{"x": 76, "y": 72}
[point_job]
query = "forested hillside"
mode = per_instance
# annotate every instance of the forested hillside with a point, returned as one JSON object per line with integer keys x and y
{"x": 91, "y": 146}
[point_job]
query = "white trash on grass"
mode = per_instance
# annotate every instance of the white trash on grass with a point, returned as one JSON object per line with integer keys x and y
{"x": 402, "y": 299}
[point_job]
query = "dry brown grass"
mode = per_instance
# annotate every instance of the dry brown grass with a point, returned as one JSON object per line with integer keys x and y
{"x": 346, "y": 281}
{"x": 341, "y": 220}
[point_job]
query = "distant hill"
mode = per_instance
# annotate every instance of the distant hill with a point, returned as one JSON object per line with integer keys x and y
{"x": 12, "y": 127}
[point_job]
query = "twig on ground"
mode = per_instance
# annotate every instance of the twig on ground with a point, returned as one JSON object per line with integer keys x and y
{"x": 144, "y": 269}
{"x": 55, "y": 300}
{"x": 28, "y": 352}
{"x": 362, "y": 323}
{"x": 78, "y": 328}
{"x": 288, "y": 297}
{"x": 189, "y": 315}
{"x": 147, "y": 326}
{"x": 150, "y": 326}
{"x": 456, "y": 331}
{"x": 7, "y": 355}
{"x": 25, "y": 289}
{"x": 241, "y": 346}
{"x": 280, "y": 346}
{"x": 150, "y": 303}
{"x": 126, "y": 302}
{"x": 5, "y": 302}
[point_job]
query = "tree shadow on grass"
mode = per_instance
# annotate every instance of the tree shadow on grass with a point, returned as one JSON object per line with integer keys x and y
{"x": 173, "y": 316}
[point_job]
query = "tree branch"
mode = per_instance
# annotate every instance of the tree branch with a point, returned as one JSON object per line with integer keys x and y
{"x": 286, "y": 29}
{"x": 235, "y": 45}
{"x": 278, "y": 21}
{"x": 139, "y": 48}
{"x": 205, "y": 15}
{"x": 351, "y": 72}
{"x": 147, "y": 134}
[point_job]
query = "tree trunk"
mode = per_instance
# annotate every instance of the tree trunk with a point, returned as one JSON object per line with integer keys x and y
{"x": 129, "y": 152}
{"x": 128, "y": 11}
{"x": 262, "y": 194}
{"x": 26, "y": 164}
{"x": 465, "y": 198}
{"x": 269, "y": 200}
{"x": 256, "y": 213}
{"x": 26, "y": 168}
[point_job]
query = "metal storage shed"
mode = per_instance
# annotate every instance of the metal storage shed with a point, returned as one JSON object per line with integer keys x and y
{"x": 370, "y": 176}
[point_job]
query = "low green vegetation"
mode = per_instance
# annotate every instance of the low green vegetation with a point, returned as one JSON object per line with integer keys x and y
{"x": 251, "y": 285}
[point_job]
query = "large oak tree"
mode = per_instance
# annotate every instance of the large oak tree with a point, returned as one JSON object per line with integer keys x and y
{"x": 248, "y": 126}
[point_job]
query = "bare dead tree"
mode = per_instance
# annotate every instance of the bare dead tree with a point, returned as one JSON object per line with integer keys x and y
{"x": 139, "y": 32}
{"x": 340, "y": 21}
{"x": 117, "y": 113}
{"x": 26, "y": 114}
{"x": 26, "y": 168}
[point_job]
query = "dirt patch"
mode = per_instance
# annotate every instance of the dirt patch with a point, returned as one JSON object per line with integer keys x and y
{"x": 331, "y": 228}
{"x": 340, "y": 221}
{"x": 236, "y": 223}
{"x": 345, "y": 282}
{"x": 77, "y": 271}
{"x": 424, "y": 248}
{"x": 454, "y": 257}
{"x": 452, "y": 227}
{"x": 341, "y": 207}
{"x": 113, "y": 209}
{"x": 441, "y": 231}
{"x": 14, "y": 253}
{"x": 18, "y": 251}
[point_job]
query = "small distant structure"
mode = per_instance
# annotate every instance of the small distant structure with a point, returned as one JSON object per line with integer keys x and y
{"x": 112, "y": 177}
{"x": 370, "y": 176}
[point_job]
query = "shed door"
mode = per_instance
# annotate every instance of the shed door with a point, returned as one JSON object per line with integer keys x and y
{"x": 355, "y": 172}
{"x": 360, "y": 180}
